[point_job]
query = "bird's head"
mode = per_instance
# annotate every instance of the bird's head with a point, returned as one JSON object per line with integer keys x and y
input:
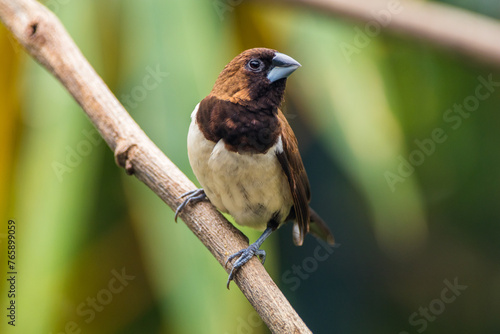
{"x": 255, "y": 78}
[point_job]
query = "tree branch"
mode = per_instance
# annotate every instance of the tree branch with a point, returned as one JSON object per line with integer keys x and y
{"x": 446, "y": 26}
{"x": 45, "y": 38}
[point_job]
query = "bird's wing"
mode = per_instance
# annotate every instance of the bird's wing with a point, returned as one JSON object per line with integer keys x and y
{"x": 292, "y": 165}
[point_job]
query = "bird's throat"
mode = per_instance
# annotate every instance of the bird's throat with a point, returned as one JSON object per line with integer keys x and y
{"x": 243, "y": 129}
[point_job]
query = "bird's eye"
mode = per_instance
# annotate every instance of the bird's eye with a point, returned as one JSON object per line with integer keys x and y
{"x": 255, "y": 65}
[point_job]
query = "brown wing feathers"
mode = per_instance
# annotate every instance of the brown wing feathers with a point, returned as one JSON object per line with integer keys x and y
{"x": 293, "y": 167}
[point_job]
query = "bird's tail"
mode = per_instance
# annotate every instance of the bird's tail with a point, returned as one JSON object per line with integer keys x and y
{"x": 319, "y": 229}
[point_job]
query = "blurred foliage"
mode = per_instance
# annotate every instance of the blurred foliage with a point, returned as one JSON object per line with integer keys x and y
{"x": 99, "y": 252}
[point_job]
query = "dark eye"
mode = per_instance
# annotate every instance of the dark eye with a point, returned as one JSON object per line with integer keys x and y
{"x": 255, "y": 65}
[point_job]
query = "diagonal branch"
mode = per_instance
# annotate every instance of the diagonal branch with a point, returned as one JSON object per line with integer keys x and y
{"x": 45, "y": 38}
{"x": 452, "y": 28}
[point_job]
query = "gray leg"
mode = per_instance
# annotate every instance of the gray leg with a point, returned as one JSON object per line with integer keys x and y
{"x": 192, "y": 196}
{"x": 246, "y": 254}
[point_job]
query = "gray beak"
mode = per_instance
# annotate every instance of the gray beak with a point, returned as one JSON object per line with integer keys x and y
{"x": 282, "y": 67}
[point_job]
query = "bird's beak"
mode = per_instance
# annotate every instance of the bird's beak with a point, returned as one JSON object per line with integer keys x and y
{"x": 282, "y": 67}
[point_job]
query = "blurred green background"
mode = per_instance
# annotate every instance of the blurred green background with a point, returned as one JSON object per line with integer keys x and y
{"x": 409, "y": 187}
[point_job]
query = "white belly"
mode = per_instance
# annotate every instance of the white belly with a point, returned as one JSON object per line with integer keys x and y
{"x": 250, "y": 187}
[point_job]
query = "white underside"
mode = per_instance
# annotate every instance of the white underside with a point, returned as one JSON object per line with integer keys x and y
{"x": 250, "y": 187}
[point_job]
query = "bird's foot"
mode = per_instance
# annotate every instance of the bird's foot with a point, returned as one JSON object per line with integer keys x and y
{"x": 244, "y": 256}
{"x": 193, "y": 196}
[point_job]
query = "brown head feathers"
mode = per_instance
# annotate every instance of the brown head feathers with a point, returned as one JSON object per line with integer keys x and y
{"x": 244, "y": 81}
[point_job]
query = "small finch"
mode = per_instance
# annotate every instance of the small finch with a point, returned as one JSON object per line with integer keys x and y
{"x": 245, "y": 154}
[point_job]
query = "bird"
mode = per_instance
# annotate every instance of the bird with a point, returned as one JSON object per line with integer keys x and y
{"x": 245, "y": 155}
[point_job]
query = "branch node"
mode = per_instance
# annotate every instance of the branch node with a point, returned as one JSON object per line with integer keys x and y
{"x": 33, "y": 27}
{"x": 33, "y": 33}
{"x": 124, "y": 154}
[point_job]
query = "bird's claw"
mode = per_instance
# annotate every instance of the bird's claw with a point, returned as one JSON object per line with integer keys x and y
{"x": 194, "y": 196}
{"x": 244, "y": 256}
